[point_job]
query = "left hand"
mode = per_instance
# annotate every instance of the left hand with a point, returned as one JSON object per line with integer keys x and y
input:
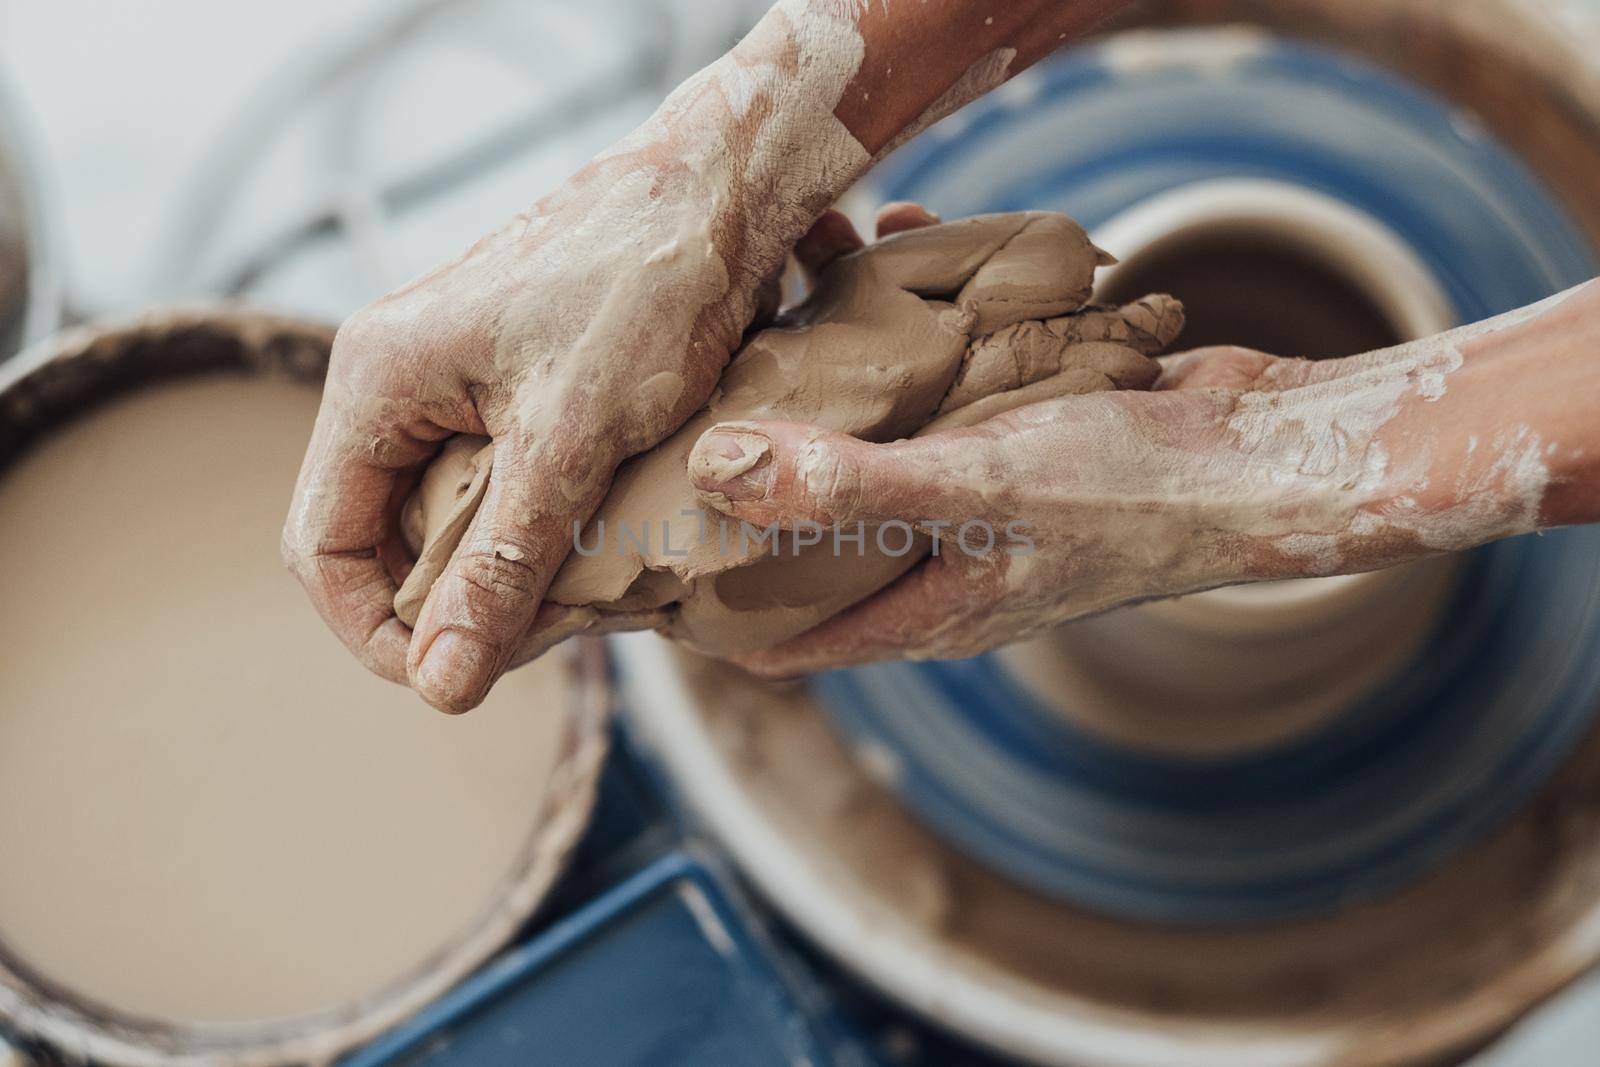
{"x": 1239, "y": 467}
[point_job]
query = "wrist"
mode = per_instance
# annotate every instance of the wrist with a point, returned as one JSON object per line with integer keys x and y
{"x": 1527, "y": 391}
{"x": 763, "y": 142}
{"x": 1499, "y": 438}
{"x": 1561, "y": 369}
{"x": 710, "y": 193}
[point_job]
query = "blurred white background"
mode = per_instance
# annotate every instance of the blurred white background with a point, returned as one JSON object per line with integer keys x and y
{"x": 187, "y": 142}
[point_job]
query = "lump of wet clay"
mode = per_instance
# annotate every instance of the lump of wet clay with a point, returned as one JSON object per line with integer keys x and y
{"x": 929, "y": 329}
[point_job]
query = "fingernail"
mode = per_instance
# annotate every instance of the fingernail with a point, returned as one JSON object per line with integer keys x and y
{"x": 735, "y": 463}
{"x": 456, "y": 672}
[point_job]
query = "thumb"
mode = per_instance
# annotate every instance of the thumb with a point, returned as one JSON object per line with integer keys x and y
{"x": 786, "y": 473}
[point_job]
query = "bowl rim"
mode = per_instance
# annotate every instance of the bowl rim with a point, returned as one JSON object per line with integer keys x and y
{"x": 63, "y": 376}
{"x": 974, "y": 997}
{"x": 1340, "y": 237}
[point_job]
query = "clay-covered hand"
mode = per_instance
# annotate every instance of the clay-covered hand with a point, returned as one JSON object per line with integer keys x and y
{"x": 1238, "y": 467}
{"x": 922, "y": 331}
{"x": 580, "y": 333}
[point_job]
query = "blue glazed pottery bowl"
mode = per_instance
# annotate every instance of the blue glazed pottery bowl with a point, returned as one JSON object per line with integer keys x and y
{"x": 1497, "y": 685}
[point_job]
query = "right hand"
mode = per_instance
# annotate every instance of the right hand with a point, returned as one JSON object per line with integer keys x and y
{"x": 582, "y": 332}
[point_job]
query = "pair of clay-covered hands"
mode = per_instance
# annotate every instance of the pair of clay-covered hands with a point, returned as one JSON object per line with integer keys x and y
{"x": 934, "y": 328}
{"x": 938, "y": 379}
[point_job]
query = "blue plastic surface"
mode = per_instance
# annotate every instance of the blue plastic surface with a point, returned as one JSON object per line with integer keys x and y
{"x": 631, "y": 826}
{"x": 662, "y": 971}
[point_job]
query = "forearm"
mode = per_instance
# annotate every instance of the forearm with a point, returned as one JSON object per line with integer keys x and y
{"x": 1538, "y": 381}
{"x": 922, "y": 62}
{"x": 744, "y": 156}
{"x": 1507, "y": 437}
{"x": 801, "y": 106}
{"x": 1289, "y": 468}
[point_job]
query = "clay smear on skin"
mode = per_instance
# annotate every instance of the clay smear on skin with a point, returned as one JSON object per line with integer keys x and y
{"x": 780, "y": 89}
{"x": 1149, "y": 511}
{"x": 656, "y": 249}
{"x": 869, "y": 355}
{"x": 1335, "y": 432}
{"x": 666, "y": 259}
{"x": 1325, "y": 435}
{"x": 1495, "y": 494}
{"x": 622, "y": 294}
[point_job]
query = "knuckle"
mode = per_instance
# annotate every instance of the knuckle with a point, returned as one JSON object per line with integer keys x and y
{"x": 831, "y": 482}
{"x": 768, "y": 668}
{"x": 363, "y": 329}
{"x": 299, "y": 555}
{"x": 291, "y": 553}
{"x": 376, "y": 348}
{"x": 504, "y": 581}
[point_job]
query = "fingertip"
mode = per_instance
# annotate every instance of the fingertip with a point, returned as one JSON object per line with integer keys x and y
{"x": 456, "y": 672}
{"x": 732, "y": 464}
{"x": 831, "y": 236}
{"x": 1212, "y": 367}
{"x": 830, "y": 645}
{"x": 770, "y": 667}
{"x": 900, "y": 215}
{"x": 386, "y": 650}
{"x": 776, "y": 473}
{"x": 790, "y": 474}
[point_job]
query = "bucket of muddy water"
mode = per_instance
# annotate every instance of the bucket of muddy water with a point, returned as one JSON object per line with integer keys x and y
{"x": 225, "y": 842}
